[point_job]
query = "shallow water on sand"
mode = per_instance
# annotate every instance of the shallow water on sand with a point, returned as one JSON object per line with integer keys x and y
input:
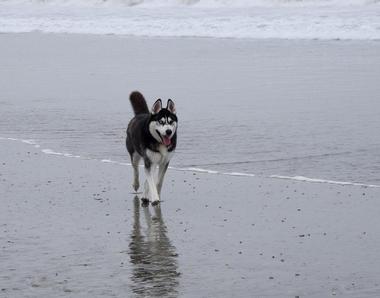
{"x": 267, "y": 108}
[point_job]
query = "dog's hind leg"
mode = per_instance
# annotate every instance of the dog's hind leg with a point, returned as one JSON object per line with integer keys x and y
{"x": 135, "y": 164}
{"x": 161, "y": 174}
{"x": 152, "y": 189}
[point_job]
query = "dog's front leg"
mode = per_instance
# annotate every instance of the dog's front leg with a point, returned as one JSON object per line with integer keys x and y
{"x": 135, "y": 163}
{"x": 161, "y": 174}
{"x": 149, "y": 173}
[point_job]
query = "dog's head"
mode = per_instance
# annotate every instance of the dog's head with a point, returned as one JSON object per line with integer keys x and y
{"x": 163, "y": 122}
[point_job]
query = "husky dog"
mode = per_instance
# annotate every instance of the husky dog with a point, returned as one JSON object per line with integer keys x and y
{"x": 152, "y": 136}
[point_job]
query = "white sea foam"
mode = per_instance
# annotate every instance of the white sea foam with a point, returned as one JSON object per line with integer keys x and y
{"x": 290, "y": 19}
{"x": 30, "y": 142}
{"x": 192, "y": 3}
{"x": 197, "y": 170}
{"x": 238, "y": 174}
{"x": 192, "y": 169}
{"x": 315, "y": 180}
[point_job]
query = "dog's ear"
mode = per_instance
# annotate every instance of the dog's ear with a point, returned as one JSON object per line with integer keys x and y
{"x": 170, "y": 106}
{"x": 157, "y": 106}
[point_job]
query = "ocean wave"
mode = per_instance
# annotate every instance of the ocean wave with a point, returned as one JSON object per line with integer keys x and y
{"x": 259, "y": 19}
{"x": 195, "y": 3}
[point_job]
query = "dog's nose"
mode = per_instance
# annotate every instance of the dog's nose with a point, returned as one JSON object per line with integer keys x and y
{"x": 168, "y": 132}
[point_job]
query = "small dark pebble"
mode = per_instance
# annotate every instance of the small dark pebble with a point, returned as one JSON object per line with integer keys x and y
{"x": 302, "y": 235}
{"x": 297, "y": 274}
{"x": 271, "y": 277}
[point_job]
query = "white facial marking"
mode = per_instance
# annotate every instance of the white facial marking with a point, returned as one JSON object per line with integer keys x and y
{"x": 153, "y": 128}
{"x": 161, "y": 126}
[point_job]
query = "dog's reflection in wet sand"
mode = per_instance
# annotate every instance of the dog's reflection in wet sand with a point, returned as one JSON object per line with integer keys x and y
{"x": 154, "y": 259}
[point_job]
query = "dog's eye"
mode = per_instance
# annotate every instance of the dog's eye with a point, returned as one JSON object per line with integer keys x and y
{"x": 161, "y": 122}
{"x": 170, "y": 122}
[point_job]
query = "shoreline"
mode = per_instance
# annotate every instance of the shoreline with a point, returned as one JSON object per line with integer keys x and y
{"x": 301, "y": 179}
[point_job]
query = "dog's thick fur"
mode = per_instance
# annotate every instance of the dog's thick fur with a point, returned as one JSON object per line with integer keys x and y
{"x": 151, "y": 136}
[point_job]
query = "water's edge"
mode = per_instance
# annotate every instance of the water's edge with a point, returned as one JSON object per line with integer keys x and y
{"x": 193, "y": 169}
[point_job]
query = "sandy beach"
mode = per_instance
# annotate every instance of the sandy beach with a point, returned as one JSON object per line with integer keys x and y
{"x": 71, "y": 227}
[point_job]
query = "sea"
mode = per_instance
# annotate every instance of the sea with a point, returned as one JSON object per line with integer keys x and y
{"x": 260, "y": 19}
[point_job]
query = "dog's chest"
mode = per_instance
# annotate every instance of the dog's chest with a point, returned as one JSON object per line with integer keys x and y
{"x": 161, "y": 157}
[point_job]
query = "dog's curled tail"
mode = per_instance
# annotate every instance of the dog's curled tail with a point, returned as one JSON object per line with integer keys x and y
{"x": 138, "y": 103}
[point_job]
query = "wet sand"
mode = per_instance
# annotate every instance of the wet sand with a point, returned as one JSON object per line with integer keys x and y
{"x": 71, "y": 227}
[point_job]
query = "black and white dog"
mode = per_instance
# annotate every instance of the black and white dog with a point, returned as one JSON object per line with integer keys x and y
{"x": 151, "y": 136}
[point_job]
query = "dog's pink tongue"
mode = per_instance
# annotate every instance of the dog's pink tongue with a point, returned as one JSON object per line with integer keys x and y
{"x": 167, "y": 141}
